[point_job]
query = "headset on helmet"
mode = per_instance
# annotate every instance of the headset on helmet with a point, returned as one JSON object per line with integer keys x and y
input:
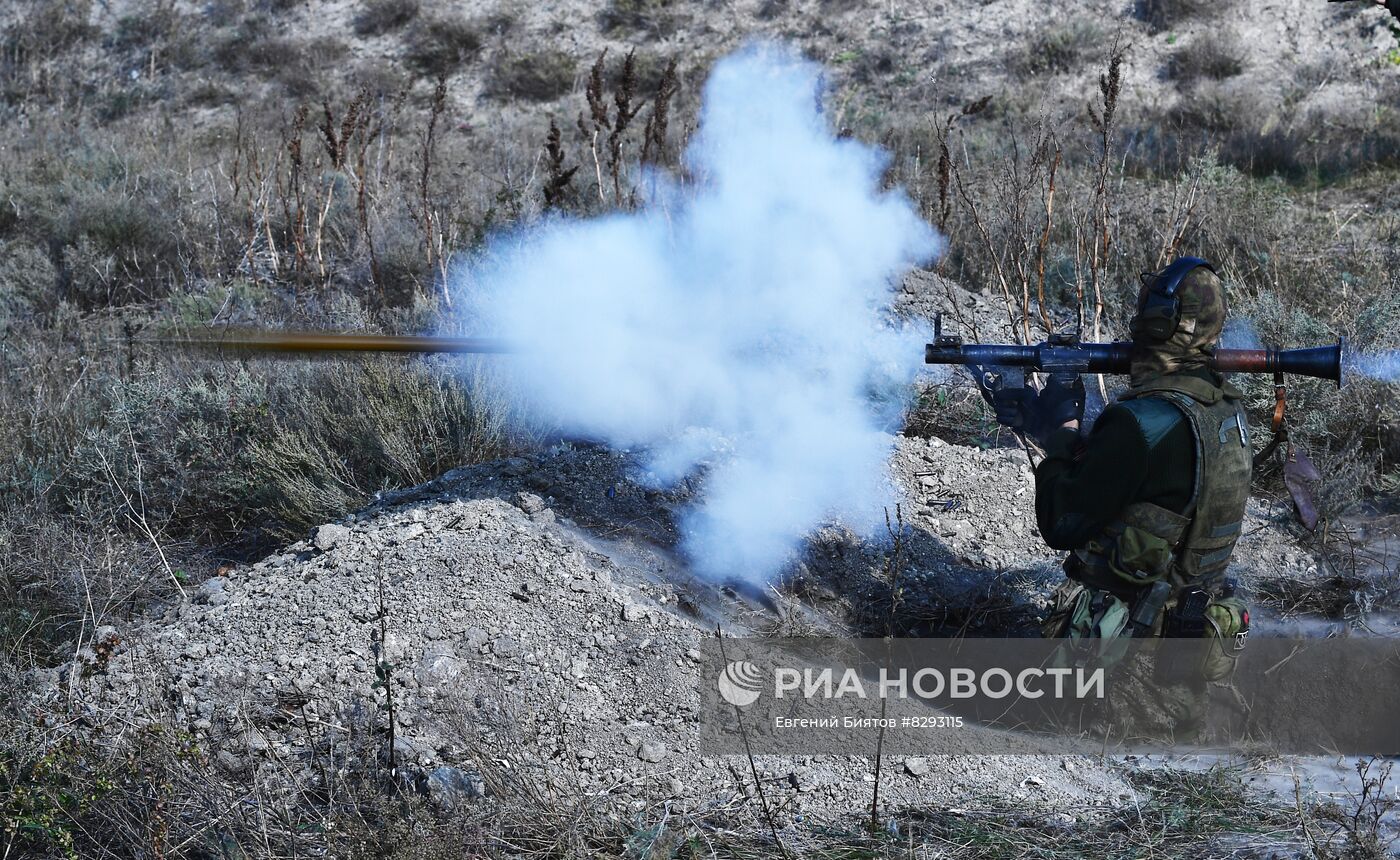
{"x": 1159, "y": 313}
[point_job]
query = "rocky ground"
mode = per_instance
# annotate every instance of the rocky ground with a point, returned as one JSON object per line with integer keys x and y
{"x": 539, "y": 627}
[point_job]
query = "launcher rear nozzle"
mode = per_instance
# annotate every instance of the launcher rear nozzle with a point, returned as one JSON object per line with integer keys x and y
{"x": 1320, "y": 362}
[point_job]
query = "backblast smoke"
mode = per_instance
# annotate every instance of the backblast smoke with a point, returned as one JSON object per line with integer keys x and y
{"x": 739, "y": 321}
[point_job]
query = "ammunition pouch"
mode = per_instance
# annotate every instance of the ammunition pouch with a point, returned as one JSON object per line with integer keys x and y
{"x": 1227, "y": 630}
{"x": 1130, "y": 553}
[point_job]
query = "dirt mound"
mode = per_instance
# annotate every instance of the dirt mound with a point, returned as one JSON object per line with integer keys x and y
{"x": 523, "y": 635}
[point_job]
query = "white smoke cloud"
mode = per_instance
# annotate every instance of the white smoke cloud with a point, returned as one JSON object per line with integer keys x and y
{"x": 739, "y": 320}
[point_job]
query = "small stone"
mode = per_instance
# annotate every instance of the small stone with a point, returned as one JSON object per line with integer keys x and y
{"x": 505, "y": 646}
{"x": 330, "y": 536}
{"x": 586, "y": 754}
{"x": 213, "y": 591}
{"x": 633, "y": 612}
{"x": 651, "y": 751}
{"x": 196, "y": 650}
{"x": 404, "y": 749}
{"x": 529, "y": 502}
{"x": 230, "y": 762}
{"x": 917, "y": 766}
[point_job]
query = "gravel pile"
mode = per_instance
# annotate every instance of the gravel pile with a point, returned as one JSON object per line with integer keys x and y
{"x": 537, "y": 622}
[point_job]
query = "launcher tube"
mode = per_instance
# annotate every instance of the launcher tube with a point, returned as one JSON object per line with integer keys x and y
{"x": 1322, "y": 362}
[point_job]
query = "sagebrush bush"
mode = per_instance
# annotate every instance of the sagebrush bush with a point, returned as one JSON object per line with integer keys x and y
{"x": 1166, "y": 14}
{"x": 1210, "y": 55}
{"x": 377, "y": 17}
{"x": 657, "y": 17}
{"x": 539, "y": 76}
{"x": 441, "y": 46}
{"x": 111, "y": 238}
{"x": 1062, "y": 46}
{"x": 27, "y": 279}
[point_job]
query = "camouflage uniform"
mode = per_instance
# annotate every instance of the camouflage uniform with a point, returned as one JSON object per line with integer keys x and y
{"x": 1150, "y": 505}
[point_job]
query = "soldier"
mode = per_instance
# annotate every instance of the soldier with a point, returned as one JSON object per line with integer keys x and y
{"x": 1149, "y": 504}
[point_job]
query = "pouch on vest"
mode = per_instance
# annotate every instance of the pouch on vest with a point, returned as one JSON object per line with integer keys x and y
{"x": 1227, "y": 627}
{"x": 1083, "y": 615}
{"x": 1131, "y": 554}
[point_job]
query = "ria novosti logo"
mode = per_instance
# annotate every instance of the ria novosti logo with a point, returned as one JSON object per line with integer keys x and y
{"x": 739, "y": 683}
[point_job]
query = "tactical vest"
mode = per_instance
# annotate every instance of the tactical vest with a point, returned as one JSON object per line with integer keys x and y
{"x": 1149, "y": 542}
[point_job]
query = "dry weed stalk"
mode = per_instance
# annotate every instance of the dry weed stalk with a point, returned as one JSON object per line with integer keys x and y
{"x": 894, "y": 566}
{"x": 654, "y": 137}
{"x": 1102, "y": 119}
{"x": 433, "y": 240}
{"x": 625, "y": 112}
{"x": 556, "y": 184}
{"x": 598, "y": 114}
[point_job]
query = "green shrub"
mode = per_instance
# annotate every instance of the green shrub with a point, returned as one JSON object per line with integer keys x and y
{"x": 539, "y": 76}
{"x": 1062, "y": 47}
{"x": 441, "y": 46}
{"x": 377, "y": 17}
{"x": 1214, "y": 56}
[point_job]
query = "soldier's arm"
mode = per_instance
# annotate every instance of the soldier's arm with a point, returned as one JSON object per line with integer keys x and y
{"x": 1082, "y": 485}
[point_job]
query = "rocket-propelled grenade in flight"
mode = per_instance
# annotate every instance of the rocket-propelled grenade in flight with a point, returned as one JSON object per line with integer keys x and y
{"x": 330, "y": 342}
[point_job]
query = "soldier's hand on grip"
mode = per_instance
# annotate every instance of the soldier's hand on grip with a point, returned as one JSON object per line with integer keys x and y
{"x": 1061, "y": 401}
{"x": 1015, "y": 407}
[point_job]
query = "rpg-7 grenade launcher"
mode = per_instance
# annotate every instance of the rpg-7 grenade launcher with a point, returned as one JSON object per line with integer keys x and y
{"x": 1065, "y": 353}
{"x": 990, "y": 364}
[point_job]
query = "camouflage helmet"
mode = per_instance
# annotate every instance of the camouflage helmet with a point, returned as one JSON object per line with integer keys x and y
{"x": 1202, "y": 300}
